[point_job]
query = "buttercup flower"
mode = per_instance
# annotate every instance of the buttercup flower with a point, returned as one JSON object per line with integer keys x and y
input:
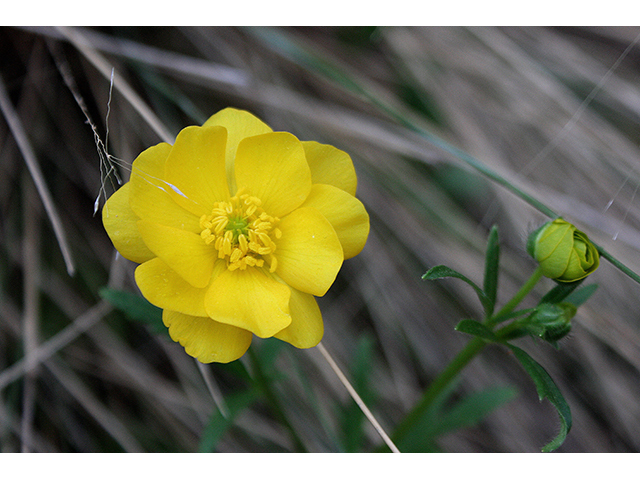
{"x": 565, "y": 253}
{"x": 236, "y": 229}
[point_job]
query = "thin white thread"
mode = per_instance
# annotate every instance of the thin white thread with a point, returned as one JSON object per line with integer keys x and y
{"x": 615, "y": 195}
{"x": 533, "y": 163}
{"x": 357, "y": 398}
{"x": 106, "y": 123}
{"x": 85, "y": 47}
{"x": 107, "y": 161}
{"x": 578, "y": 113}
{"x": 626, "y": 212}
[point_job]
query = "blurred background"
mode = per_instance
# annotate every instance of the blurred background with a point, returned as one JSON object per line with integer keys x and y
{"x": 542, "y": 107}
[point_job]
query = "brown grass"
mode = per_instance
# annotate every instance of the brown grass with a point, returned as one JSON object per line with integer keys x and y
{"x": 75, "y": 375}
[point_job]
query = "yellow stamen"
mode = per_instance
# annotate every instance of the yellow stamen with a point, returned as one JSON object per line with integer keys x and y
{"x": 242, "y": 232}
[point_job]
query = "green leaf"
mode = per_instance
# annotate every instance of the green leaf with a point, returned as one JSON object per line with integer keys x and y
{"x": 472, "y": 409}
{"x": 443, "y": 417}
{"x": 546, "y": 388}
{"x": 268, "y": 350}
{"x": 560, "y": 292}
{"x": 420, "y": 435}
{"x": 511, "y": 315}
{"x": 218, "y": 424}
{"x": 491, "y": 266}
{"x": 578, "y": 297}
{"x": 477, "y": 329}
{"x": 136, "y": 308}
{"x": 441, "y": 271}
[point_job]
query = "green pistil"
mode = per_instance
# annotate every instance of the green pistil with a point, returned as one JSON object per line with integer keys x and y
{"x": 237, "y": 225}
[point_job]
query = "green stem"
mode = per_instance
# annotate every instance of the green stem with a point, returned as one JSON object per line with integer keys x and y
{"x": 284, "y": 45}
{"x": 504, "y": 333}
{"x": 517, "y": 298}
{"x": 437, "y": 386}
{"x": 272, "y": 398}
{"x": 618, "y": 264}
{"x": 460, "y": 361}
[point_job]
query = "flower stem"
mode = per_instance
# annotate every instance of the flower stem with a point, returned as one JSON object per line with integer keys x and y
{"x": 438, "y": 386}
{"x": 517, "y": 298}
{"x": 460, "y": 361}
{"x": 618, "y": 264}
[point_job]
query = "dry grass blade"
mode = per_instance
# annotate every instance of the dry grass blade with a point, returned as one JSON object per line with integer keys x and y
{"x": 75, "y": 37}
{"x": 555, "y": 110}
{"x": 31, "y": 312}
{"x": 103, "y": 415}
{"x": 29, "y": 157}
{"x": 49, "y": 348}
{"x": 357, "y": 399}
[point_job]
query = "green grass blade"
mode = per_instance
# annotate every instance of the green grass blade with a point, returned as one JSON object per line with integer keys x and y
{"x": 281, "y": 43}
{"x": 443, "y": 417}
{"x": 470, "y": 411}
{"x": 353, "y": 419}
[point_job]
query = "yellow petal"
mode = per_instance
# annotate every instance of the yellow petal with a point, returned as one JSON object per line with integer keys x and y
{"x": 240, "y": 124}
{"x": 151, "y": 161}
{"x": 306, "y": 327}
{"x": 346, "y": 214}
{"x": 554, "y": 247}
{"x": 206, "y": 339}
{"x": 309, "y": 253}
{"x": 151, "y": 196}
{"x": 120, "y": 222}
{"x": 196, "y": 168}
{"x": 185, "y": 252}
{"x": 331, "y": 166}
{"x": 166, "y": 289}
{"x": 250, "y": 300}
{"x": 273, "y": 168}
{"x": 574, "y": 270}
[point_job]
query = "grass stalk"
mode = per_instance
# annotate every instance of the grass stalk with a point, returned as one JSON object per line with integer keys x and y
{"x": 334, "y": 366}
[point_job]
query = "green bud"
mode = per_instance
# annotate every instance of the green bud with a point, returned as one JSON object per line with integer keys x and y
{"x": 551, "y": 322}
{"x": 564, "y": 253}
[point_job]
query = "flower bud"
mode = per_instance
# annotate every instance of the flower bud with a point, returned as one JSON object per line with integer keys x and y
{"x": 564, "y": 253}
{"x": 551, "y": 322}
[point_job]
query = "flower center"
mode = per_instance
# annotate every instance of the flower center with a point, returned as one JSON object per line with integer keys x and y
{"x": 242, "y": 232}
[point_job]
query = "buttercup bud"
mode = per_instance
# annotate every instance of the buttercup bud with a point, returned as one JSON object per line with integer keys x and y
{"x": 553, "y": 321}
{"x": 565, "y": 254}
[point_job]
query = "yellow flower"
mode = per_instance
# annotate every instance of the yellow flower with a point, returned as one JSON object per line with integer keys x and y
{"x": 564, "y": 253}
{"x": 236, "y": 229}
